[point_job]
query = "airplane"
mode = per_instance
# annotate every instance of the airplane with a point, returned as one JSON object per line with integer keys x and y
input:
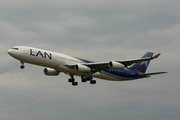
{"x": 55, "y": 63}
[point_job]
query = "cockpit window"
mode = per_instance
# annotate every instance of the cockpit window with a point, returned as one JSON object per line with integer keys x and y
{"x": 15, "y": 48}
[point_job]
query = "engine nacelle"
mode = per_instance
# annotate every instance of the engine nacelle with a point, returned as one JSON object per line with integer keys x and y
{"x": 82, "y": 68}
{"x": 116, "y": 65}
{"x": 50, "y": 72}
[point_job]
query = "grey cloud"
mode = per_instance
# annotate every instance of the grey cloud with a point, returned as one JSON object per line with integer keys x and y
{"x": 96, "y": 30}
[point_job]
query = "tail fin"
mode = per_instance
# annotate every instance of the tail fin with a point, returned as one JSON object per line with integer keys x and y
{"x": 142, "y": 66}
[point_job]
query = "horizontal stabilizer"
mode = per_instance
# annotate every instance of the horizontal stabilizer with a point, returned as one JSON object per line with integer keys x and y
{"x": 149, "y": 74}
{"x": 156, "y": 56}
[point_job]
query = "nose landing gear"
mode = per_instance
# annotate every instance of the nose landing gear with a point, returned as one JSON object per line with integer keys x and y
{"x": 22, "y": 65}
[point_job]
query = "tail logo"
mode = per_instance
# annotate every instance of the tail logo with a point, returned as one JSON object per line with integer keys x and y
{"x": 145, "y": 62}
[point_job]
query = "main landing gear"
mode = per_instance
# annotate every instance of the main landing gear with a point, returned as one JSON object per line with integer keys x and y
{"x": 22, "y": 65}
{"x": 83, "y": 79}
{"x": 72, "y": 80}
{"x": 88, "y": 79}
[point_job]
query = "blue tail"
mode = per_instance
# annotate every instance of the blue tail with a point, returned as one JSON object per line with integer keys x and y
{"x": 142, "y": 66}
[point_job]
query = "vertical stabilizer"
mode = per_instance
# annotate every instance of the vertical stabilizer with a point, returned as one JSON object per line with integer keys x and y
{"x": 142, "y": 66}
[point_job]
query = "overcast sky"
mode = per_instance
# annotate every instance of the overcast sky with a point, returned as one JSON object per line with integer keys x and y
{"x": 99, "y": 30}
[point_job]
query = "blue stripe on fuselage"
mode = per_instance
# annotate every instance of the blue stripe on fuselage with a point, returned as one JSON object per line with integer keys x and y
{"x": 85, "y": 61}
{"x": 123, "y": 74}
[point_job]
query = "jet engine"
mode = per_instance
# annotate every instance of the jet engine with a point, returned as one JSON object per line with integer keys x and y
{"x": 82, "y": 68}
{"x": 116, "y": 65}
{"x": 50, "y": 72}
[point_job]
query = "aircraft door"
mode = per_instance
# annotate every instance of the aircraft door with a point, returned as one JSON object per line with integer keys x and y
{"x": 55, "y": 57}
{"x": 26, "y": 51}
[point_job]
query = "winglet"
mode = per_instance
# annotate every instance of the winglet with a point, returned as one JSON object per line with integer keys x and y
{"x": 156, "y": 56}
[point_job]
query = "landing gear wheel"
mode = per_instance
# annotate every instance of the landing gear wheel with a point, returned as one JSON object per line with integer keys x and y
{"x": 22, "y": 66}
{"x": 93, "y": 81}
{"x": 71, "y": 80}
{"x": 74, "y": 83}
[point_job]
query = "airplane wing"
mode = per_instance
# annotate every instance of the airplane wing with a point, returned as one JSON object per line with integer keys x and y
{"x": 98, "y": 66}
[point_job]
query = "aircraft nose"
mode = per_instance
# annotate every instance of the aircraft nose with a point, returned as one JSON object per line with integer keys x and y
{"x": 9, "y": 51}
